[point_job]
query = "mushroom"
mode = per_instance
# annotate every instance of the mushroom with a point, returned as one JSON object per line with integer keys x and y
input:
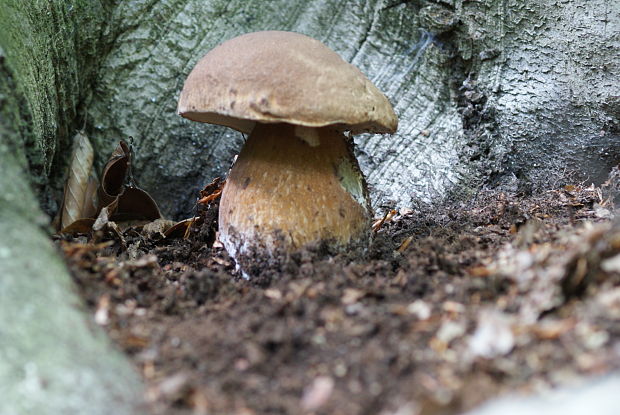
{"x": 296, "y": 181}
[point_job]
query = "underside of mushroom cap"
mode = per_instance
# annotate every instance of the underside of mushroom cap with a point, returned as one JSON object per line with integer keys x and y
{"x": 274, "y": 77}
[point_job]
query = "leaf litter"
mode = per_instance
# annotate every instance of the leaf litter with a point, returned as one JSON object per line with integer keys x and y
{"x": 450, "y": 307}
{"x": 117, "y": 198}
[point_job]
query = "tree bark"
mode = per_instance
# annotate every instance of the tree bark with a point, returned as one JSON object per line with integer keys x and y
{"x": 518, "y": 93}
{"x": 485, "y": 90}
{"x": 52, "y": 358}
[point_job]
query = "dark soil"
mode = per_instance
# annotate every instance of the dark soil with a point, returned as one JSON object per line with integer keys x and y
{"x": 451, "y": 306}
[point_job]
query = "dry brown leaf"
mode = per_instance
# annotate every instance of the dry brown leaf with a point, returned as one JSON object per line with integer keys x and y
{"x": 79, "y": 226}
{"x": 132, "y": 203}
{"x": 119, "y": 200}
{"x": 78, "y": 203}
{"x": 115, "y": 174}
{"x": 180, "y": 229}
{"x": 211, "y": 191}
{"x": 135, "y": 204}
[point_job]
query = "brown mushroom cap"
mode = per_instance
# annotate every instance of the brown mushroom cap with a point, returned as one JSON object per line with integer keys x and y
{"x": 274, "y": 77}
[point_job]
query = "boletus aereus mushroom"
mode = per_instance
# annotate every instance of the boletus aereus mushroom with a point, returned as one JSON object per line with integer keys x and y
{"x": 296, "y": 181}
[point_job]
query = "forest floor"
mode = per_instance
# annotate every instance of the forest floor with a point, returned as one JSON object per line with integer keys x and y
{"x": 451, "y": 306}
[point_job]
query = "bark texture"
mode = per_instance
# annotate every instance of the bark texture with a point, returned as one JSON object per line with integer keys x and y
{"x": 53, "y": 360}
{"x": 552, "y": 86}
{"x": 485, "y": 90}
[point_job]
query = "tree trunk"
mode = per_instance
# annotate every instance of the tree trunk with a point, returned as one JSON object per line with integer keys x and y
{"x": 519, "y": 93}
{"x": 52, "y": 359}
{"x": 485, "y": 90}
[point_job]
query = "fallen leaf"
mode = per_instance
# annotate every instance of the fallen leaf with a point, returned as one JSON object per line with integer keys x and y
{"x": 78, "y": 200}
{"x": 79, "y": 226}
{"x": 158, "y": 227}
{"x": 114, "y": 174}
{"x": 103, "y": 218}
{"x": 135, "y": 204}
{"x": 386, "y": 218}
{"x": 180, "y": 229}
{"x": 119, "y": 199}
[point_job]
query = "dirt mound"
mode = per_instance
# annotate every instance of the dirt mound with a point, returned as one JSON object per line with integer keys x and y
{"x": 449, "y": 307}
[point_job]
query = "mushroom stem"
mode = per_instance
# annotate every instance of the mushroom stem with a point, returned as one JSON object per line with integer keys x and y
{"x": 285, "y": 191}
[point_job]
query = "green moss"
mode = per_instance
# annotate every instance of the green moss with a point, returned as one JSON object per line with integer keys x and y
{"x": 52, "y": 51}
{"x": 51, "y": 360}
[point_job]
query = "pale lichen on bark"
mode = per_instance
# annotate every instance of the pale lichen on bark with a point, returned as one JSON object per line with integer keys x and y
{"x": 52, "y": 360}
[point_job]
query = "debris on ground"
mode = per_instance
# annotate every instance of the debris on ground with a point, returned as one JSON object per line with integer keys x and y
{"x": 450, "y": 307}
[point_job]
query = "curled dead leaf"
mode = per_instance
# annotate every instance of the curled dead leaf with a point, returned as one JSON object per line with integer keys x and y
{"x": 119, "y": 199}
{"x": 115, "y": 174}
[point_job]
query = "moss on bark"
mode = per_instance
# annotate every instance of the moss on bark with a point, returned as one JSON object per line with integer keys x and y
{"x": 52, "y": 358}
